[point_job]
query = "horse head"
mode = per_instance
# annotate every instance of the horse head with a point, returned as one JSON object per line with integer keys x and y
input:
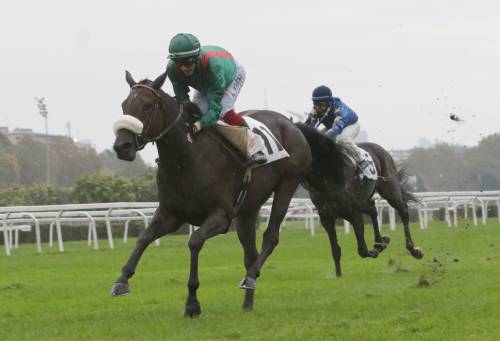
{"x": 148, "y": 114}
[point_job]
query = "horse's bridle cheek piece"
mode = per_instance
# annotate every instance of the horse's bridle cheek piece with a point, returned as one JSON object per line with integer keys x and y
{"x": 136, "y": 126}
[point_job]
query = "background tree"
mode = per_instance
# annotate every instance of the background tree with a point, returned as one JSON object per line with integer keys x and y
{"x": 456, "y": 168}
{"x": 37, "y": 194}
{"x": 437, "y": 167}
{"x": 103, "y": 187}
{"x": 69, "y": 161}
{"x": 9, "y": 166}
{"x": 120, "y": 167}
{"x": 145, "y": 187}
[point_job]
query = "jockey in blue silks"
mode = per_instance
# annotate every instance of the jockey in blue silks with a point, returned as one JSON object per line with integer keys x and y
{"x": 333, "y": 117}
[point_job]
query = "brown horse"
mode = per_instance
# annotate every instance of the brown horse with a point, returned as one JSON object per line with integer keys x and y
{"x": 198, "y": 182}
{"x": 337, "y": 192}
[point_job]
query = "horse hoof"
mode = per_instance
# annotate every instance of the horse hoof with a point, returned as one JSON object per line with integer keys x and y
{"x": 417, "y": 253}
{"x": 247, "y": 307}
{"x": 192, "y": 310}
{"x": 119, "y": 289}
{"x": 248, "y": 283}
{"x": 379, "y": 246}
{"x": 373, "y": 253}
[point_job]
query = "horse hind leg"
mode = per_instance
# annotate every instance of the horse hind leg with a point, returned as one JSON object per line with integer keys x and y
{"x": 381, "y": 242}
{"x": 392, "y": 192}
{"x": 247, "y": 224}
{"x": 415, "y": 251}
{"x": 282, "y": 196}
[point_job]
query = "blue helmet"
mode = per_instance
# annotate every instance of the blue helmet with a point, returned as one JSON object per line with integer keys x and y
{"x": 322, "y": 93}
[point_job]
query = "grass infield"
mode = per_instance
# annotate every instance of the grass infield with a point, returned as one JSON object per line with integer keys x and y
{"x": 452, "y": 293}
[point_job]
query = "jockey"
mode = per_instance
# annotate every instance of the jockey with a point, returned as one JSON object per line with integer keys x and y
{"x": 217, "y": 79}
{"x": 337, "y": 120}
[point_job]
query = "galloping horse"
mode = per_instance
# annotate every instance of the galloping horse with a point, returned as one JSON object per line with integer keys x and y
{"x": 336, "y": 192}
{"x": 199, "y": 181}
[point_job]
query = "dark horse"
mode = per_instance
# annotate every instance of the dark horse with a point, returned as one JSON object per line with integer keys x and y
{"x": 198, "y": 183}
{"x": 337, "y": 192}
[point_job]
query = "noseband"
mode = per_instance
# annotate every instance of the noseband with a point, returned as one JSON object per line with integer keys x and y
{"x": 141, "y": 139}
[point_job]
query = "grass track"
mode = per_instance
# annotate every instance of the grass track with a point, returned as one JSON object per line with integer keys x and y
{"x": 66, "y": 296}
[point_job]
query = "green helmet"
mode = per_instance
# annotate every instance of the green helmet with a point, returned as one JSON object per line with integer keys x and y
{"x": 183, "y": 45}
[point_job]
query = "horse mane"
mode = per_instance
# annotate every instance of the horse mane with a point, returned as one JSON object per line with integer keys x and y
{"x": 193, "y": 111}
{"x": 190, "y": 108}
{"x": 328, "y": 158}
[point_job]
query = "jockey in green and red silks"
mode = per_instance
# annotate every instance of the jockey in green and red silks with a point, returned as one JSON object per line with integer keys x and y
{"x": 217, "y": 79}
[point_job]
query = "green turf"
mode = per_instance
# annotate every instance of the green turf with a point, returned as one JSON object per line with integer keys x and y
{"x": 452, "y": 293}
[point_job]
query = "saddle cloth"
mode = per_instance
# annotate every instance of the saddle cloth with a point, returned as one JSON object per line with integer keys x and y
{"x": 370, "y": 171}
{"x": 238, "y": 137}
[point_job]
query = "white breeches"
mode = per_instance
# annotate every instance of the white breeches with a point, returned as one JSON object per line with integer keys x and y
{"x": 230, "y": 95}
{"x": 349, "y": 133}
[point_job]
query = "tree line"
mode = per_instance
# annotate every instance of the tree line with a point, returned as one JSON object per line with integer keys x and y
{"x": 78, "y": 175}
{"x": 25, "y": 162}
{"x": 446, "y": 167}
{"x": 83, "y": 176}
{"x": 101, "y": 187}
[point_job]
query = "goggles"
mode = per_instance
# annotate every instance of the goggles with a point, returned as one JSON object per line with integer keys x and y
{"x": 185, "y": 61}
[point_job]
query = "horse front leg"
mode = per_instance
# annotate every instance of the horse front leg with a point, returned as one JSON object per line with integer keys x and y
{"x": 328, "y": 222}
{"x": 215, "y": 224}
{"x": 160, "y": 225}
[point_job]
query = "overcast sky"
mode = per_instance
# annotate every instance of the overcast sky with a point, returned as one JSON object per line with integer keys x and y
{"x": 403, "y": 66}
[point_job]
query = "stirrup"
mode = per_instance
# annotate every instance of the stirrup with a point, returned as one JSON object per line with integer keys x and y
{"x": 256, "y": 159}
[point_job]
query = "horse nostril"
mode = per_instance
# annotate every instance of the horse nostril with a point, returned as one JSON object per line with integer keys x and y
{"x": 122, "y": 147}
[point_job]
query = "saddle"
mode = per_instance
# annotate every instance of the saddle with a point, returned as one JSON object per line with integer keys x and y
{"x": 237, "y": 136}
{"x": 362, "y": 161}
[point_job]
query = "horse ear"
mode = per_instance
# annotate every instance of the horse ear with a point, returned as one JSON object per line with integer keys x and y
{"x": 129, "y": 79}
{"x": 158, "y": 82}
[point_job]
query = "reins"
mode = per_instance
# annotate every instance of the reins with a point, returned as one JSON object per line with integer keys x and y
{"x": 141, "y": 139}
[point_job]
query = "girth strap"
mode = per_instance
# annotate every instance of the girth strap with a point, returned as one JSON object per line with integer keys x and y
{"x": 243, "y": 192}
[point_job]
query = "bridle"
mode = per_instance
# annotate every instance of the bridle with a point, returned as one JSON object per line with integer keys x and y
{"x": 141, "y": 139}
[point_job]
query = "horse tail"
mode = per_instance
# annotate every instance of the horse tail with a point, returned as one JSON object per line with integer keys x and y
{"x": 402, "y": 176}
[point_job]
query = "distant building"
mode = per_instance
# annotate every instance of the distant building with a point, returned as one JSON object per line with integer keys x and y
{"x": 84, "y": 144}
{"x": 17, "y": 134}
